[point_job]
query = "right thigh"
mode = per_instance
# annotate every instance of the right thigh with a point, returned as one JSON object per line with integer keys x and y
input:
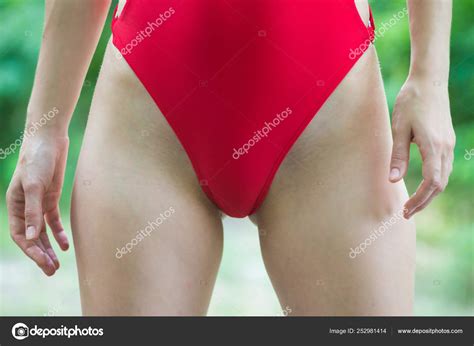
{"x": 147, "y": 240}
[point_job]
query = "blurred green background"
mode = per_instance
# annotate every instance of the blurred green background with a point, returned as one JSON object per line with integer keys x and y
{"x": 445, "y": 277}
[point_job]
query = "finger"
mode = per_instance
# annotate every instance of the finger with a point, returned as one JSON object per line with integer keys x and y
{"x": 34, "y": 220}
{"x": 43, "y": 248}
{"x": 53, "y": 219}
{"x": 422, "y": 193}
{"x": 423, "y": 205}
{"x": 39, "y": 255}
{"x": 16, "y": 214}
{"x": 431, "y": 182}
{"x": 33, "y": 251}
{"x": 44, "y": 240}
{"x": 16, "y": 207}
{"x": 400, "y": 153}
{"x": 446, "y": 168}
{"x": 29, "y": 247}
{"x": 448, "y": 160}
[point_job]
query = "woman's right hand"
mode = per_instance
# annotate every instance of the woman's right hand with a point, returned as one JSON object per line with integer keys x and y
{"x": 33, "y": 198}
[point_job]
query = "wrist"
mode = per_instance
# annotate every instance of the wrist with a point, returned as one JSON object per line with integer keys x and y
{"x": 35, "y": 129}
{"x": 429, "y": 72}
{"x": 54, "y": 144}
{"x": 426, "y": 79}
{"x": 49, "y": 124}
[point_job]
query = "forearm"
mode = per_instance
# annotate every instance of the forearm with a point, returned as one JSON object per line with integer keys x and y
{"x": 71, "y": 32}
{"x": 430, "y": 30}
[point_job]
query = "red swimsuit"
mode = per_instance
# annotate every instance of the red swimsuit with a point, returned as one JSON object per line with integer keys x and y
{"x": 239, "y": 80}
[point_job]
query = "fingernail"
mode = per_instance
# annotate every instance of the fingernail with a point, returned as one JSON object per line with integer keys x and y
{"x": 64, "y": 243}
{"x": 394, "y": 174}
{"x": 30, "y": 232}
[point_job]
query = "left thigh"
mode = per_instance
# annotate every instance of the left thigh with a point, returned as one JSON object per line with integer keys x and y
{"x": 331, "y": 195}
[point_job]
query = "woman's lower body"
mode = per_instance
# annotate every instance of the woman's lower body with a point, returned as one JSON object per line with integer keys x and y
{"x": 149, "y": 241}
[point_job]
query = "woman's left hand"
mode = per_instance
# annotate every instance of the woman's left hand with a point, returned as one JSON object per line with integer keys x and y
{"x": 422, "y": 115}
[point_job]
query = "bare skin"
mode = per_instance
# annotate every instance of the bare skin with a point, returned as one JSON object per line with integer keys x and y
{"x": 314, "y": 211}
{"x": 132, "y": 169}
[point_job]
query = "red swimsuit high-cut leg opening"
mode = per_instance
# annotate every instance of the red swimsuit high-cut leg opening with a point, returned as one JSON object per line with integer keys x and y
{"x": 239, "y": 80}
